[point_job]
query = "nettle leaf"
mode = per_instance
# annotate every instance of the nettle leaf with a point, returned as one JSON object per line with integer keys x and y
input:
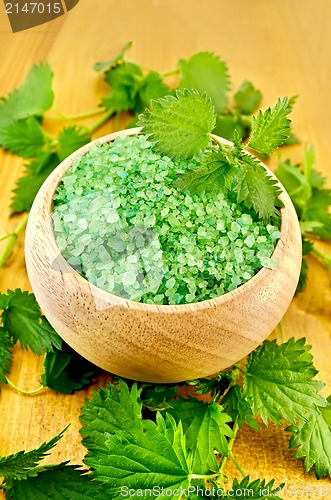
{"x": 33, "y": 98}
{"x": 303, "y": 278}
{"x": 229, "y": 125}
{"x": 180, "y": 125}
{"x": 205, "y": 429}
{"x": 295, "y": 183}
{"x": 131, "y": 90}
{"x": 23, "y": 464}
{"x": 279, "y": 382}
{"x": 29, "y": 185}
{"x": 271, "y": 128}
{"x": 315, "y": 211}
{"x": 6, "y": 346}
{"x": 125, "y": 81}
{"x": 238, "y": 408}
{"x": 40, "y": 163}
{"x": 156, "y": 397}
{"x": 152, "y": 87}
{"x": 24, "y": 137}
{"x": 153, "y": 456}
{"x": 23, "y": 320}
{"x": 313, "y": 439}
{"x": 256, "y": 189}
{"x": 254, "y": 489}
{"x": 309, "y": 197}
{"x": 317, "y": 179}
{"x": 58, "y": 482}
{"x": 66, "y": 371}
{"x": 216, "y": 386}
{"x": 100, "y": 66}
{"x": 111, "y": 410}
{"x": 215, "y": 174}
{"x": 247, "y": 98}
{"x": 206, "y": 72}
{"x": 71, "y": 139}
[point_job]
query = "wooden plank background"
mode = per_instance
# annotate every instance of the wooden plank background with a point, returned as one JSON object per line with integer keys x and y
{"x": 284, "y": 47}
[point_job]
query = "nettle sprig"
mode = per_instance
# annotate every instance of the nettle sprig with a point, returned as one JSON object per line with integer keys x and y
{"x": 181, "y": 127}
{"x": 145, "y": 438}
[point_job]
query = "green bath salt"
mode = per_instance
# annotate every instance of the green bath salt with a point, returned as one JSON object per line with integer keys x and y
{"x": 121, "y": 223}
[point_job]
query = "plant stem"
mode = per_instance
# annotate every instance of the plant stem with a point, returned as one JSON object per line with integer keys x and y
{"x": 13, "y": 386}
{"x": 204, "y": 476}
{"x": 12, "y": 238}
{"x": 237, "y": 464}
{"x": 225, "y": 459}
{"x": 80, "y": 116}
{"x": 240, "y": 369}
{"x": 101, "y": 121}
{"x": 216, "y": 139}
{"x": 281, "y": 331}
{"x": 326, "y": 259}
{"x": 170, "y": 73}
{"x": 5, "y": 237}
{"x": 53, "y": 141}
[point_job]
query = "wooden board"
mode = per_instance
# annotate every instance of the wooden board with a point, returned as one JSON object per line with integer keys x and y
{"x": 284, "y": 47}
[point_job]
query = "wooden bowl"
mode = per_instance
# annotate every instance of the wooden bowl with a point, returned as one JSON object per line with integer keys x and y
{"x": 156, "y": 343}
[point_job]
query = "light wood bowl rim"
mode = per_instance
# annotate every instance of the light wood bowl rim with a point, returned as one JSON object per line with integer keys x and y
{"x": 263, "y": 274}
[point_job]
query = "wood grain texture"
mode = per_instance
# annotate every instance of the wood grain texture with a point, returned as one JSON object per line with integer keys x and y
{"x": 156, "y": 343}
{"x": 284, "y": 47}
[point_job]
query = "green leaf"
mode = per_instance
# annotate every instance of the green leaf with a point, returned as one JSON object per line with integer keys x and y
{"x": 205, "y": 429}
{"x": 279, "y": 382}
{"x": 316, "y": 210}
{"x": 71, "y": 139}
{"x": 58, "y": 482}
{"x": 314, "y": 441}
{"x": 66, "y": 371}
{"x": 131, "y": 90}
{"x": 307, "y": 246}
{"x": 156, "y": 397}
{"x": 6, "y": 346}
{"x": 214, "y": 174}
{"x": 317, "y": 179}
{"x": 303, "y": 278}
{"x": 311, "y": 201}
{"x": 216, "y": 386}
{"x": 153, "y": 456}
{"x": 253, "y": 489}
{"x": 247, "y": 98}
{"x": 24, "y": 137}
{"x": 33, "y": 98}
{"x": 256, "y": 189}
{"x": 180, "y": 125}
{"x": 125, "y": 81}
{"x": 23, "y": 464}
{"x": 206, "y": 72}
{"x": 307, "y": 227}
{"x": 23, "y": 321}
{"x": 238, "y": 408}
{"x": 295, "y": 183}
{"x": 100, "y": 66}
{"x": 111, "y": 410}
{"x": 151, "y": 88}
{"x": 271, "y": 128}
{"x": 229, "y": 125}
{"x": 41, "y": 162}
{"x": 29, "y": 185}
